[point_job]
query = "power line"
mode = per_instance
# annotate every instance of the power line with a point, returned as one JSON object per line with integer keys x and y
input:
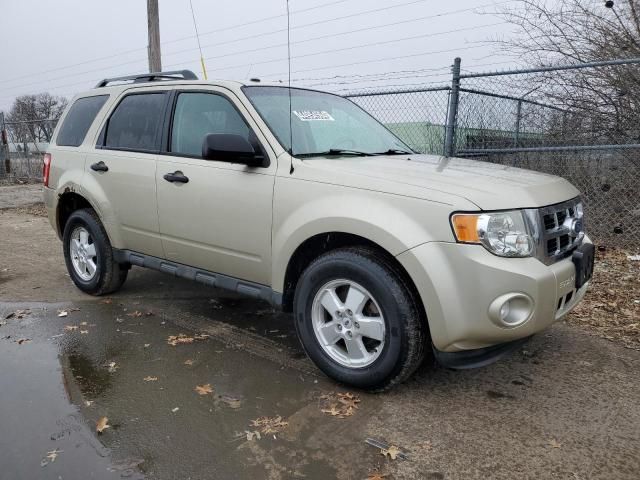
{"x": 326, "y": 67}
{"x": 427, "y": 35}
{"x": 353, "y": 47}
{"x": 343, "y": 17}
{"x": 125, "y": 52}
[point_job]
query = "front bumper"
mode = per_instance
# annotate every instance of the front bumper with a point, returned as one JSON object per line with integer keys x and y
{"x": 458, "y": 283}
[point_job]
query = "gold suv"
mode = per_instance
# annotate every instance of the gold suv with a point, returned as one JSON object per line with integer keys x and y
{"x": 301, "y": 198}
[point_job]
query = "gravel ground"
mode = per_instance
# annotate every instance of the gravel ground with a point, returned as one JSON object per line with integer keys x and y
{"x": 563, "y": 406}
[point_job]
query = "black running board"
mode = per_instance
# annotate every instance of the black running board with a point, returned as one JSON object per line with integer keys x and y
{"x": 212, "y": 279}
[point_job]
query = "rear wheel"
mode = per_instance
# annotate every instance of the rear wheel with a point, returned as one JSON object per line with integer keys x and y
{"x": 89, "y": 256}
{"x": 358, "y": 319}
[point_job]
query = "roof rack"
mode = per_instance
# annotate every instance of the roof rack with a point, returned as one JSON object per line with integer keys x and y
{"x": 151, "y": 77}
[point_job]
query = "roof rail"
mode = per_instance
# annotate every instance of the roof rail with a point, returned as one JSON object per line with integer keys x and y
{"x": 151, "y": 77}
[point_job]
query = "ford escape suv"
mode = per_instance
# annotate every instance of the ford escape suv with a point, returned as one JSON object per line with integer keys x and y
{"x": 301, "y": 198}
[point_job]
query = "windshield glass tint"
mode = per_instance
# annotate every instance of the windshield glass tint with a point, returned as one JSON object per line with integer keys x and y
{"x": 320, "y": 122}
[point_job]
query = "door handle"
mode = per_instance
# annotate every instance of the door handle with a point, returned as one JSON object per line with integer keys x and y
{"x": 99, "y": 167}
{"x": 176, "y": 177}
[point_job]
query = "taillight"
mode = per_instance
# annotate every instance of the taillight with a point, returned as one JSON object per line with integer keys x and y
{"x": 46, "y": 168}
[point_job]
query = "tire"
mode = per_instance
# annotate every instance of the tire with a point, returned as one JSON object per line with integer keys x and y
{"x": 391, "y": 357}
{"x": 105, "y": 275}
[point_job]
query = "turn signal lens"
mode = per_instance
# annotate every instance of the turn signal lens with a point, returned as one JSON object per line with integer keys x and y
{"x": 466, "y": 228}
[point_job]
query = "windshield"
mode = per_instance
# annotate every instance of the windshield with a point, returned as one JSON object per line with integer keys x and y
{"x": 322, "y": 124}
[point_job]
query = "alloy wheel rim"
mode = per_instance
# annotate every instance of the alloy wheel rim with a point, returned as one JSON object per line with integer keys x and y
{"x": 83, "y": 253}
{"x": 348, "y": 323}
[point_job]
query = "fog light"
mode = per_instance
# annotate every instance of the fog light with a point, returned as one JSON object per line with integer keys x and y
{"x": 511, "y": 310}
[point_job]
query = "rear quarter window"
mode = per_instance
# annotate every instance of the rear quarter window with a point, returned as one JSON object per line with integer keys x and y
{"x": 78, "y": 120}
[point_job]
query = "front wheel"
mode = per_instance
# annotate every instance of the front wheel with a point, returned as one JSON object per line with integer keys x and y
{"x": 89, "y": 256}
{"x": 358, "y": 320}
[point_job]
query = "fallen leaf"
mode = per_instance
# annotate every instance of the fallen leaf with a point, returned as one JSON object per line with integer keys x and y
{"x": 150, "y": 379}
{"x": 251, "y": 435}
{"x": 149, "y": 313}
{"x": 188, "y": 362}
{"x": 232, "y": 401}
{"x": 111, "y": 367}
{"x": 70, "y": 328}
{"x": 204, "y": 389}
{"x": 333, "y": 411}
{"x": 269, "y": 424}
{"x": 377, "y": 476}
{"x": 179, "y": 339}
{"x": 135, "y": 313}
{"x": 102, "y": 424}
{"x": 392, "y": 452}
{"x": 339, "y": 405}
{"x": 554, "y": 443}
{"x": 62, "y": 313}
{"x": 53, "y": 454}
{"x": 23, "y": 340}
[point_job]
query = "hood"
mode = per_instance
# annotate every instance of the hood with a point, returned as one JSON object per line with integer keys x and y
{"x": 489, "y": 186}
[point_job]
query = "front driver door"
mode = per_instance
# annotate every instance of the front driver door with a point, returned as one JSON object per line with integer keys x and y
{"x": 217, "y": 215}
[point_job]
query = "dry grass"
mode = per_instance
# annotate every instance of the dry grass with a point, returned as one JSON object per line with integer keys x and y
{"x": 611, "y": 307}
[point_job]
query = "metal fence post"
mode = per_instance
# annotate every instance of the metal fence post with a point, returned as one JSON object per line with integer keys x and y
{"x": 4, "y": 148}
{"x": 516, "y": 135}
{"x": 452, "y": 116}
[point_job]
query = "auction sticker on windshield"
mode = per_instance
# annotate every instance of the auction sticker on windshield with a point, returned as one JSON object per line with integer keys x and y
{"x": 313, "y": 115}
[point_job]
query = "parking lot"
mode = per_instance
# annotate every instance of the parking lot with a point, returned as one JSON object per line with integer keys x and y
{"x": 186, "y": 375}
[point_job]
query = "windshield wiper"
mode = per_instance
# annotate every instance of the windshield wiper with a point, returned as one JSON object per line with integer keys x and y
{"x": 335, "y": 151}
{"x": 394, "y": 151}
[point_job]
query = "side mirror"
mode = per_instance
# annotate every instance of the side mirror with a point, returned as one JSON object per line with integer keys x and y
{"x": 226, "y": 147}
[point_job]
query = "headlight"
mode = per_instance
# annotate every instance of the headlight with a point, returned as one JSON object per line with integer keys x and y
{"x": 506, "y": 234}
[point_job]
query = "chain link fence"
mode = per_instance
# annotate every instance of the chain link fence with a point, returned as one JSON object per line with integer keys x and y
{"x": 579, "y": 122}
{"x": 22, "y": 146}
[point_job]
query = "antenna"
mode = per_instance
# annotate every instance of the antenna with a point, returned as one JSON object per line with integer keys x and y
{"x": 289, "y": 88}
{"x": 195, "y": 26}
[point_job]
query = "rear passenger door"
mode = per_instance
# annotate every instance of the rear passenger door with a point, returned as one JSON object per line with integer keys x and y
{"x": 220, "y": 220}
{"x": 124, "y": 166}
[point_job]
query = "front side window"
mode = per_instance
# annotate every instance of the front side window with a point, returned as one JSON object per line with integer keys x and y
{"x": 77, "y": 122}
{"x": 321, "y": 123}
{"x": 134, "y": 123}
{"x": 199, "y": 114}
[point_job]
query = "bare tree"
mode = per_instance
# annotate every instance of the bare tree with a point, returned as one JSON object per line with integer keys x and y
{"x": 604, "y": 102}
{"x": 32, "y": 118}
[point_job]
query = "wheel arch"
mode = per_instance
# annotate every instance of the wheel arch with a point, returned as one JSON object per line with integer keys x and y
{"x": 318, "y": 244}
{"x": 68, "y": 202}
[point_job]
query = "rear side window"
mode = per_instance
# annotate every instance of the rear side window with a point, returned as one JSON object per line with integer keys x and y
{"x": 135, "y": 122}
{"x": 77, "y": 122}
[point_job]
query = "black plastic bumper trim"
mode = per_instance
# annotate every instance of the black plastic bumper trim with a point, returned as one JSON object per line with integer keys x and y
{"x": 476, "y": 358}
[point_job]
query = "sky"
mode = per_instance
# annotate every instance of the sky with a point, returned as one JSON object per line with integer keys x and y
{"x": 67, "y": 46}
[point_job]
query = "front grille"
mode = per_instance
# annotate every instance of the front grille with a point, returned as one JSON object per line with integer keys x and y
{"x": 561, "y": 226}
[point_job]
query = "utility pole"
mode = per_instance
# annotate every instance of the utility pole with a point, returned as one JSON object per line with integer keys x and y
{"x": 153, "y": 26}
